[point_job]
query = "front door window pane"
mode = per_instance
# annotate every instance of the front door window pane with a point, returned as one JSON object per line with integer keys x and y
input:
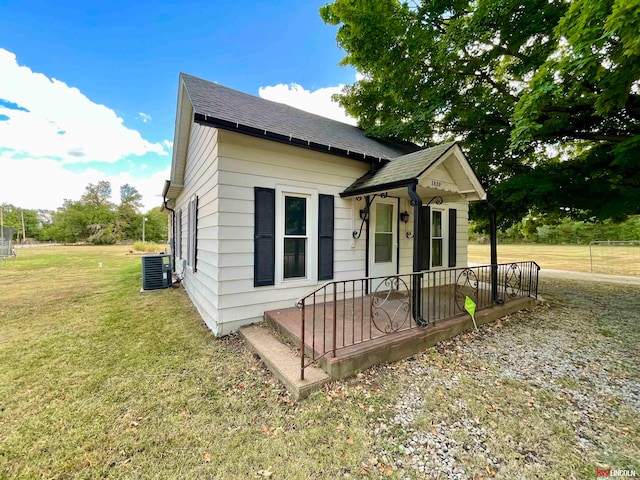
{"x": 384, "y": 233}
{"x": 295, "y": 257}
{"x": 295, "y": 216}
{"x": 384, "y": 248}
{"x": 384, "y": 217}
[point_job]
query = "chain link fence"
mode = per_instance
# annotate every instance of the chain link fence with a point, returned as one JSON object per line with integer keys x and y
{"x": 615, "y": 257}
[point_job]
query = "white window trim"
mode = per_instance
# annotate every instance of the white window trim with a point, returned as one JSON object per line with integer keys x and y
{"x": 444, "y": 236}
{"x": 312, "y": 235}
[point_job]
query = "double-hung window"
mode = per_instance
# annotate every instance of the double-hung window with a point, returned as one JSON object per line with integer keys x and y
{"x": 297, "y": 230}
{"x": 437, "y": 244}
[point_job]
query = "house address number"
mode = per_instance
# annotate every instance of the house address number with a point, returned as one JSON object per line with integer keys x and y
{"x": 436, "y": 183}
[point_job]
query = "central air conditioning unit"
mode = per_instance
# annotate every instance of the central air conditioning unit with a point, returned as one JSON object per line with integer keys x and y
{"x": 156, "y": 272}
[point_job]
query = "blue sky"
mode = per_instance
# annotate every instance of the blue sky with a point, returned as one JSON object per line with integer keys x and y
{"x": 88, "y": 89}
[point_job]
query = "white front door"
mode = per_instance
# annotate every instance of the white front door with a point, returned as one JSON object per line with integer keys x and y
{"x": 383, "y": 238}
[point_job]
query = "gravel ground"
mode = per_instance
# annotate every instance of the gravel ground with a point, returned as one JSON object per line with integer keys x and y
{"x": 552, "y": 392}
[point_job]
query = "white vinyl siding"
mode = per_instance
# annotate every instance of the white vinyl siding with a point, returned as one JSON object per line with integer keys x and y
{"x": 246, "y": 162}
{"x": 222, "y": 169}
{"x": 200, "y": 179}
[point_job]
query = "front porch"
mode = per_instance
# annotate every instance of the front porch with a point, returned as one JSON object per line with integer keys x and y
{"x": 347, "y": 326}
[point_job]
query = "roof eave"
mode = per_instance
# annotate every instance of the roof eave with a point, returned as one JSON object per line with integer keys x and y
{"x": 288, "y": 139}
{"x": 378, "y": 188}
{"x": 182, "y": 129}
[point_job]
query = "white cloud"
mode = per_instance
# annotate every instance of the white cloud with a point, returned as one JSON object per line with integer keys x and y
{"x": 58, "y": 121}
{"x": 145, "y": 117}
{"x": 44, "y": 183}
{"x": 168, "y": 144}
{"x": 317, "y": 101}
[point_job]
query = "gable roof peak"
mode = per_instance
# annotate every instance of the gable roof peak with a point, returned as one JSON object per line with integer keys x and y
{"x": 230, "y": 109}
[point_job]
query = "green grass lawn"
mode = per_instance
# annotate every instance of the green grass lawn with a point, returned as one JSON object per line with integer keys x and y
{"x": 100, "y": 380}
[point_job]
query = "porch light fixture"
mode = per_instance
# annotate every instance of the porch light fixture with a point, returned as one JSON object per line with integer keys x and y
{"x": 404, "y": 217}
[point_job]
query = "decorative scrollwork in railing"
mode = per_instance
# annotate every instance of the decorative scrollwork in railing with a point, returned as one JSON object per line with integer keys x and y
{"x": 390, "y": 305}
{"x": 466, "y": 286}
{"x": 513, "y": 280}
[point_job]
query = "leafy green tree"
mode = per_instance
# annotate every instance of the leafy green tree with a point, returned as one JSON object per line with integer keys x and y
{"x": 156, "y": 226}
{"x": 99, "y": 213}
{"x": 71, "y": 222}
{"x": 543, "y": 95}
{"x": 128, "y": 219}
{"x": 14, "y": 216}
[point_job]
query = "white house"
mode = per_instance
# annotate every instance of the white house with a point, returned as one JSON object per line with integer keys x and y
{"x": 270, "y": 201}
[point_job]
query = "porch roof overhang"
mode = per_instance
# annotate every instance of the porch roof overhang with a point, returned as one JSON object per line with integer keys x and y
{"x": 442, "y": 170}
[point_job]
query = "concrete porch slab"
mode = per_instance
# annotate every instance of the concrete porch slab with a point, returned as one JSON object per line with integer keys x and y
{"x": 281, "y": 360}
{"x": 389, "y": 348}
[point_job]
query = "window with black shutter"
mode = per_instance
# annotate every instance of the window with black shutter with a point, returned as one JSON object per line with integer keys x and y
{"x": 179, "y": 233}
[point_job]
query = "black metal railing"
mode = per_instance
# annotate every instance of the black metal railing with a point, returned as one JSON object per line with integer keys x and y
{"x": 345, "y": 313}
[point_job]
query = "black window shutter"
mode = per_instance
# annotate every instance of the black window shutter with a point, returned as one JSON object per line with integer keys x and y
{"x": 179, "y": 233}
{"x": 264, "y": 253}
{"x": 453, "y": 227}
{"x": 424, "y": 238}
{"x": 325, "y": 237}
{"x": 195, "y": 235}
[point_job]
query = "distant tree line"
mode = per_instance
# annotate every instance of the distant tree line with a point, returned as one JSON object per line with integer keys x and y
{"x": 533, "y": 229}
{"x": 93, "y": 219}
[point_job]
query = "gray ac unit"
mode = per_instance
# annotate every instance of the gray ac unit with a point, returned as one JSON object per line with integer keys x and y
{"x": 156, "y": 272}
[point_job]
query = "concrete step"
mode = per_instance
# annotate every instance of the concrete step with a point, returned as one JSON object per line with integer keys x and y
{"x": 281, "y": 360}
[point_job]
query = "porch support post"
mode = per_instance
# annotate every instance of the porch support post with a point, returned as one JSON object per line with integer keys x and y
{"x": 493, "y": 240}
{"x": 416, "y": 292}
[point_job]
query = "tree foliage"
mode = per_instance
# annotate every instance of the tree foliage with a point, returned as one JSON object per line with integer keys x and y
{"x": 533, "y": 229}
{"x": 94, "y": 218}
{"x": 543, "y": 95}
{"x": 34, "y": 220}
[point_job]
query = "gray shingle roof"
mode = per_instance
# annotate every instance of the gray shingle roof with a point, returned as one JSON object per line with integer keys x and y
{"x": 400, "y": 171}
{"x": 234, "y": 107}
